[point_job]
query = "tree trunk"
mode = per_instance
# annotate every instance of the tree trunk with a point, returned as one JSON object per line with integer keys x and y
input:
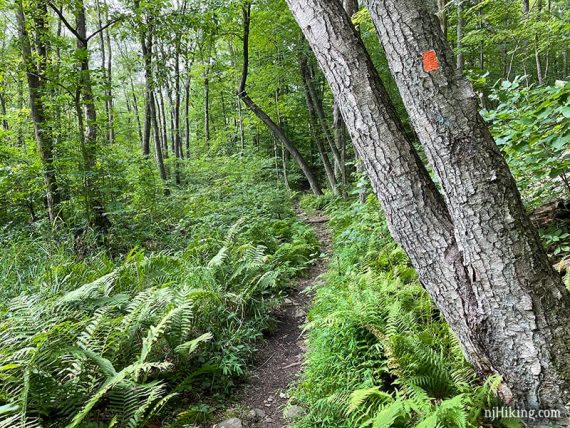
{"x": 241, "y": 127}
{"x": 539, "y": 73}
{"x": 565, "y": 63}
{"x": 351, "y": 7}
{"x": 521, "y": 310}
{"x": 98, "y": 218}
{"x": 442, "y": 15}
{"x": 261, "y": 115}
{"x": 5, "y": 124}
{"x": 207, "y": 108}
{"x": 178, "y": 153}
{"x": 460, "y": 56}
{"x": 157, "y": 145}
{"x": 161, "y": 120}
{"x": 42, "y": 129}
{"x": 146, "y": 46}
{"x": 415, "y": 211}
{"x": 187, "y": 115}
{"x": 106, "y": 64}
{"x": 525, "y": 6}
{"x": 340, "y": 142}
{"x": 317, "y": 103}
{"x": 315, "y": 126}
{"x": 136, "y": 110}
{"x": 285, "y": 162}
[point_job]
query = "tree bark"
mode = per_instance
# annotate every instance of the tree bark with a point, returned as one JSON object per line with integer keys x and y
{"x": 161, "y": 120}
{"x": 460, "y": 56}
{"x": 261, "y": 115}
{"x": 351, "y": 7}
{"x": 146, "y": 46}
{"x": 34, "y": 72}
{"x": 5, "y": 124}
{"x": 415, "y": 211}
{"x": 315, "y": 126}
{"x": 157, "y": 145}
{"x": 521, "y": 310}
{"x": 539, "y": 72}
{"x": 318, "y": 110}
{"x": 109, "y": 93}
{"x": 187, "y": 112}
{"x": 106, "y": 66}
{"x": 442, "y": 15}
{"x": 98, "y": 218}
{"x": 207, "y": 108}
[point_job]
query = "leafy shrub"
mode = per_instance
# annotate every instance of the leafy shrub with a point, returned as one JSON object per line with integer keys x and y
{"x": 532, "y": 127}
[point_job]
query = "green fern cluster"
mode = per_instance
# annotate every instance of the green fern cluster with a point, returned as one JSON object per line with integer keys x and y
{"x": 380, "y": 355}
{"x": 118, "y": 342}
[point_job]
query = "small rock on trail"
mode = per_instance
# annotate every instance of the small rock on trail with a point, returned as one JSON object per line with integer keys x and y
{"x": 230, "y": 423}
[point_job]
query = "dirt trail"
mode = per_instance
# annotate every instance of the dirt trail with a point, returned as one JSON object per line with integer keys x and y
{"x": 279, "y": 359}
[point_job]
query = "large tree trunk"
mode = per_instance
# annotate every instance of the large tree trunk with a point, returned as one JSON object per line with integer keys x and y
{"x": 521, "y": 312}
{"x": 34, "y": 72}
{"x": 98, "y": 218}
{"x": 415, "y": 211}
{"x": 261, "y": 115}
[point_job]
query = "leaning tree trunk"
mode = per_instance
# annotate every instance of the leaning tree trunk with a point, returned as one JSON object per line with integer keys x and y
{"x": 522, "y": 310}
{"x": 261, "y": 115}
{"x": 415, "y": 211}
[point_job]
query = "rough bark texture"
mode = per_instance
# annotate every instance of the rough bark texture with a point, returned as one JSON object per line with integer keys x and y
{"x": 521, "y": 310}
{"x": 98, "y": 218}
{"x": 415, "y": 211}
{"x": 42, "y": 130}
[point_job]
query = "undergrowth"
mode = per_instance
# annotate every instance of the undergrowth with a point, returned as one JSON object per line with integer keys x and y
{"x": 164, "y": 321}
{"x": 380, "y": 354}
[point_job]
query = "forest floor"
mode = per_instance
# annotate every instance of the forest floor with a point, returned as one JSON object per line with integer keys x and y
{"x": 262, "y": 400}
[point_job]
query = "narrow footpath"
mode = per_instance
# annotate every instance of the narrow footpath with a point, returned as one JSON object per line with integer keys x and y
{"x": 262, "y": 400}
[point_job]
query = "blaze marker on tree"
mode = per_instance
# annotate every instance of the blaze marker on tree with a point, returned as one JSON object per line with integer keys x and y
{"x": 430, "y": 61}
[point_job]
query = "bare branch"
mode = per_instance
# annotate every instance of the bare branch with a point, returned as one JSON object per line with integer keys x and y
{"x": 66, "y": 23}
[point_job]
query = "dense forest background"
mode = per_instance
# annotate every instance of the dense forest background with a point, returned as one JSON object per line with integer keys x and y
{"x": 147, "y": 227}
